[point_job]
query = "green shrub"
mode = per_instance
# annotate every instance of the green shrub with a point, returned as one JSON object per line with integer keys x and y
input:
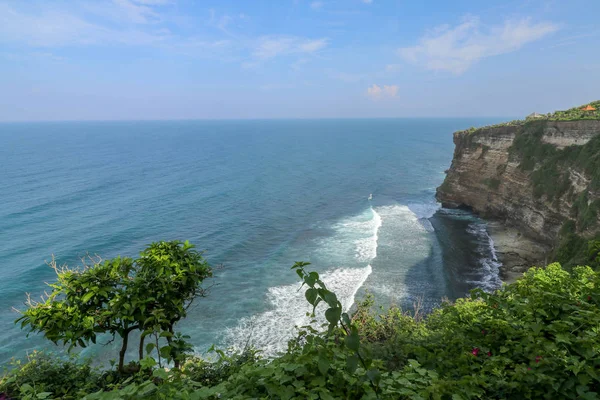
{"x": 119, "y": 296}
{"x": 48, "y": 376}
{"x": 212, "y": 373}
{"x": 534, "y": 339}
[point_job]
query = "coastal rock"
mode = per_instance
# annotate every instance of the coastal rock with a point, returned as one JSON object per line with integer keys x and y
{"x": 496, "y": 179}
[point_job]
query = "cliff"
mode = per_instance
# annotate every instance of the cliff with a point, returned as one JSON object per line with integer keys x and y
{"x": 540, "y": 176}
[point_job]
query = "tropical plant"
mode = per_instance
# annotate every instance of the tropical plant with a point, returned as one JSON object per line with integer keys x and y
{"x": 118, "y": 296}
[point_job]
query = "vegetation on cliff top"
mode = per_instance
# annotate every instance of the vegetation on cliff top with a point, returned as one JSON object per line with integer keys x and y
{"x": 536, "y": 338}
{"x": 572, "y": 114}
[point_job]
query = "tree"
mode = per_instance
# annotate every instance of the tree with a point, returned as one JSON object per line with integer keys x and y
{"x": 121, "y": 295}
{"x": 167, "y": 282}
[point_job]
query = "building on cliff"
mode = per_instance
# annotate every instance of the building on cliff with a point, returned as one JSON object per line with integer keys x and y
{"x": 535, "y": 115}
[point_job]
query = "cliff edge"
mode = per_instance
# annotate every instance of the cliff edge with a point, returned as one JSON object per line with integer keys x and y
{"x": 540, "y": 177}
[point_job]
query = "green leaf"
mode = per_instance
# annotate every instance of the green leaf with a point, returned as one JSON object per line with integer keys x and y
{"x": 311, "y": 295}
{"x": 352, "y": 341}
{"x": 333, "y": 315}
{"x": 374, "y": 375}
{"x": 323, "y": 364}
{"x": 165, "y": 351}
{"x": 352, "y": 363}
{"x": 147, "y": 362}
{"x": 150, "y": 347}
{"x": 87, "y": 297}
{"x": 346, "y": 319}
{"x": 331, "y": 299}
{"x": 160, "y": 373}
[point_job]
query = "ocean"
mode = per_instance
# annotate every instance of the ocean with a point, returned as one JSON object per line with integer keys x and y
{"x": 257, "y": 196}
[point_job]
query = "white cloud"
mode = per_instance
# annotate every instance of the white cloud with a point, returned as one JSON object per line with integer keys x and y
{"x": 455, "y": 49}
{"x": 142, "y": 23}
{"x": 316, "y": 5}
{"x": 139, "y": 14}
{"x": 100, "y": 24}
{"x": 346, "y": 76}
{"x": 153, "y": 2}
{"x": 53, "y": 27}
{"x": 276, "y": 86}
{"x": 297, "y": 65}
{"x": 272, "y": 46}
{"x": 377, "y": 92}
{"x": 393, "y": 67}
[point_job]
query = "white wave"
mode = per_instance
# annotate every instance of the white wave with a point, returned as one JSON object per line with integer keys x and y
{"x": 366, "y": 248}
{"x": 490, "y": 266}
{"x": 354, "y": 240}
{"x": 271, "y": 330}
{"x": 353, "y": 244}
{"x": 405, "y": 242}
{"x": 407, "y": 227}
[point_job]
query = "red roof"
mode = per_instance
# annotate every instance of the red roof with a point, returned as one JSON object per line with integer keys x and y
{"x": 588, "y": 108}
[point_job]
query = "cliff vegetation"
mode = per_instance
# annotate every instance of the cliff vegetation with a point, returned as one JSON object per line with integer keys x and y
{"x": 541, "y": 175}
{"x": 572, "y": 114}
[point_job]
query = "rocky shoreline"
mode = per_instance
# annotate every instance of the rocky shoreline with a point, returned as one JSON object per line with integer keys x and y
{"x": 516, "y": 252}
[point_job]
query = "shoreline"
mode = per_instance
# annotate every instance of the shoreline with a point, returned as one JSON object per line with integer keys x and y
{"x": 515, "y": 251}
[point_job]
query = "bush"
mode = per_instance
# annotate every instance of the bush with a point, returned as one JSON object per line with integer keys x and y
{"x": 48, "y": 376}
{"x": 534, "y": 339}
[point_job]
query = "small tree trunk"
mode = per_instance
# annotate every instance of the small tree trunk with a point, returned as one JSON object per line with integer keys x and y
{"x": 169, "y": 339}
{"x": 158, "y": 350}
{"x": 141, "y": 349}
{"x": 123, "y": 349}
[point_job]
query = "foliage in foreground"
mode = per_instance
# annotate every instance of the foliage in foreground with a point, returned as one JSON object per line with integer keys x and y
{"x": 538, "y": 338}
{"x": 119, "y": 296}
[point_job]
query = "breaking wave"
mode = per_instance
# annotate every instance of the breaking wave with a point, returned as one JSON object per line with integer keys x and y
{"x": 353, "y": 244}
{"x": 490, "y": 266}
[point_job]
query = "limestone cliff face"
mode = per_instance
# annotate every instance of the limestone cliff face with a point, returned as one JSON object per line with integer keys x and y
{"x": 488, "y": 175}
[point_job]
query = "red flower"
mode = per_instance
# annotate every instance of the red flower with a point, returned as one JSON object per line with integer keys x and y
{"x": 589, "y": 298}
{"x": 475, "y": 351}
{"x": 538, "y": 358}
{"x": 483, "y": 332}
{"x": 528, "y": 369}
{"x": 489, "y": 353}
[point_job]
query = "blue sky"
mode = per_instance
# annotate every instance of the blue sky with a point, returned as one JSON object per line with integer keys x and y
{"x": 174, "y": 59}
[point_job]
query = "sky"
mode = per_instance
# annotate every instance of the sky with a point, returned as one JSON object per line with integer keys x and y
{"x": 226, "y": 59}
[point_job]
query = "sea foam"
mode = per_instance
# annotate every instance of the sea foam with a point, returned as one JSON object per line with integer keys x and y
{"x": 490, "y": 266}
{"x": 353, "y": 242}
{"x": 271, "y": 330}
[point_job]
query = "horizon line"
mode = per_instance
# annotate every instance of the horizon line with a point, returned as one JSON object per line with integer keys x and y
{"x": 248, "y": 119}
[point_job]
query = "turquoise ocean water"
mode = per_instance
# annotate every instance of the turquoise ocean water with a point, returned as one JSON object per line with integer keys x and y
{"x": 257, "y": 196}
